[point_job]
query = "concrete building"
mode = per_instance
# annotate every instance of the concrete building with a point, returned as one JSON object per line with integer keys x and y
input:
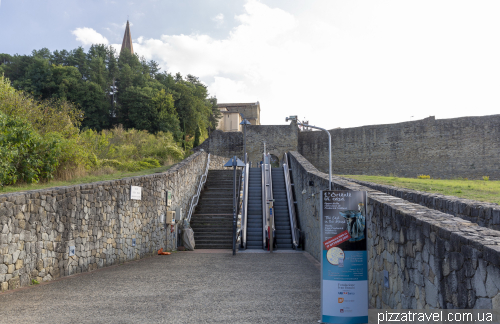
{"x": 232, "y": 115}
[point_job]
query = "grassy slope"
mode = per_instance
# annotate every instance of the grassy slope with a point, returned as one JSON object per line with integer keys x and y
{"x": 86, "y": 179}
{"x": 471, "y": 189}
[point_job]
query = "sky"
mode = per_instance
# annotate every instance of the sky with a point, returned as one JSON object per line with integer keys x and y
{"x": 332, "y": 63}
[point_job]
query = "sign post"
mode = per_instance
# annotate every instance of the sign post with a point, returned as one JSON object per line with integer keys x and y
{"x": 344, "y": 259}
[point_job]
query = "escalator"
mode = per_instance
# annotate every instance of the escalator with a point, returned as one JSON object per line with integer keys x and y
{"x": 254, "y": 228}
{"x": 268, "y": 213}
{"x": 281, "y": 213}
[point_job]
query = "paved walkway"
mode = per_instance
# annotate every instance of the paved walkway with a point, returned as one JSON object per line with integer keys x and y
{"x": 185, "y": 287}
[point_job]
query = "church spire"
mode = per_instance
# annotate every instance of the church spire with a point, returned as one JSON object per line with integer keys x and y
{"x": 127, "y": 40}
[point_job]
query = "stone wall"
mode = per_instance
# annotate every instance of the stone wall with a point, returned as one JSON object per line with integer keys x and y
{"x": 445, "y": 148}
{"x": 99, "y": 219}
{"x": 480, "y": 212}
{"x": 279, "y": 140}
{"x": 223, "y": 144}
{"x": 433, "y": 259}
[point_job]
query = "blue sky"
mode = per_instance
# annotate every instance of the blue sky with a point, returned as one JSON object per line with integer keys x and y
{"x": 334, "y": 63}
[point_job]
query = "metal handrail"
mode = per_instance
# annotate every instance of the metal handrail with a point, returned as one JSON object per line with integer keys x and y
{"x": 203, "y": 179}
{"x": 271, "y": 198}
{"x": 264, "y": 205}
{"x": 246, "y": 174}
{"x": 236, "y": 231}
{"x": 267, "y": 195}
{"x": 291, "y": 205}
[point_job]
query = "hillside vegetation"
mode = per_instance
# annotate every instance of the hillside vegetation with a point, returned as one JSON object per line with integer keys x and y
{"x": 41, "y": 140}
{"x": 65, "y": 115}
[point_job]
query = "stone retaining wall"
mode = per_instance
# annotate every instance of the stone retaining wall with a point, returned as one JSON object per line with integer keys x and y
{"x": 480, "y": 212}
{"x": 433, "y": 259}
{"x": 99, "y": 219}
{"x": 466, "y": 147}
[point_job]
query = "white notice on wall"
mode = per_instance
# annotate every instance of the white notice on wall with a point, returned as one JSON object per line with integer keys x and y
{"x": 135, "y": 192}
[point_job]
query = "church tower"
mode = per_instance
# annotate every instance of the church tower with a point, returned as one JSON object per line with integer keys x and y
{"x": 127, "y": 40}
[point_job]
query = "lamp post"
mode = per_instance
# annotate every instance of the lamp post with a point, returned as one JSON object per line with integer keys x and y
{"x": 245, "y": 123}
{"x": 294, "y": 118}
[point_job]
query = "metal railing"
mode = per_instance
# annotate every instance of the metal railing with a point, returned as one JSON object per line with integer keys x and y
{"x": 291, "y": 204}
{"x": 236, "y": 215}
{"x": 244, "y": 207}
{"x": 264, "y": 205}
{"x": 196, "y": 197}
{"x": 267, "y": 196}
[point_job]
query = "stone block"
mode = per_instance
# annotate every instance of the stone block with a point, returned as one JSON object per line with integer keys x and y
{"x": 4, "y": 286}
{"x": 492, "y": 280}
{"x": 495, "y": 302}
{"x": 478, "y": 281}
{"x": 15, "y": 256}
{"x": 431, "y": 294}
{"x": 14, "y": 283}
{"x": 492, "y": 254}
{"x": 483, "y": 303}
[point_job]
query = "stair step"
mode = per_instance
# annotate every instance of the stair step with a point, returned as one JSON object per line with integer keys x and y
{"x": 228, "y": 229}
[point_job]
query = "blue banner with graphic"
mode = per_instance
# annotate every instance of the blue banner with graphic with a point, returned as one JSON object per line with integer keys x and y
{"x": 344, "y": 262}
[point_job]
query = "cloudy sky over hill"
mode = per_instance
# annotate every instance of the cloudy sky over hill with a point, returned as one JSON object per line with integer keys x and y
{"x": 334, "y": 63}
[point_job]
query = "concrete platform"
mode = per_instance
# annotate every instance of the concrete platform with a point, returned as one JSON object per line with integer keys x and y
{"x": 205, "y": 286}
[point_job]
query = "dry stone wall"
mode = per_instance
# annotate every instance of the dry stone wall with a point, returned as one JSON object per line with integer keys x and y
{"x": 432, "y": 259}
{"x": 37, "y": 228}
{"x": 483, "y": 213}
{"x": 444, "y": 148}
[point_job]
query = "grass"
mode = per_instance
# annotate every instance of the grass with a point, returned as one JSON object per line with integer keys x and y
{"x": 488, "y": 191}
{"x": 82, "y": 180}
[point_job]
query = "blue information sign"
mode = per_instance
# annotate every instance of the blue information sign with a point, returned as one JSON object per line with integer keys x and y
{"x": 344, "y": 262}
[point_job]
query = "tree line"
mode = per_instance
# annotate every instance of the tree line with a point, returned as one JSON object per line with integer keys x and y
{"x": 114, "y": 90}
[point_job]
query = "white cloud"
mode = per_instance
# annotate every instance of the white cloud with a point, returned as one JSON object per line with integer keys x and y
{"x": 219, "y": 19}
{"x": 88, "y": 36}
{"x": 350, "y": 63}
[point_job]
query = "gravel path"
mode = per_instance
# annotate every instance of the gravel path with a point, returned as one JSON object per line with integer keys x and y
{"x": 185, "y": 287}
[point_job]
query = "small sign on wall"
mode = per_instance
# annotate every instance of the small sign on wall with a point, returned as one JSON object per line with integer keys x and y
{"x": 135, "y": 192}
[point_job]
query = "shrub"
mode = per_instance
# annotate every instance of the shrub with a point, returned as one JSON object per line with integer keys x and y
{"x": 486, "y": 178}
{"x": 423, "y": 176}
{"x": 111, "y": 163}
{"x": 24, "y": 154}
{"x": 151, "y": 163}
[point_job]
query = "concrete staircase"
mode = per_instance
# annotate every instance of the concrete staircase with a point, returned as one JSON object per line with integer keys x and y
{"x": 212, "y": 221}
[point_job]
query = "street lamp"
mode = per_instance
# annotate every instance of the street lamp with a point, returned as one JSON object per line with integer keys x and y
{"x": 294, "y": 118}
{"x": 245, "y": 123}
